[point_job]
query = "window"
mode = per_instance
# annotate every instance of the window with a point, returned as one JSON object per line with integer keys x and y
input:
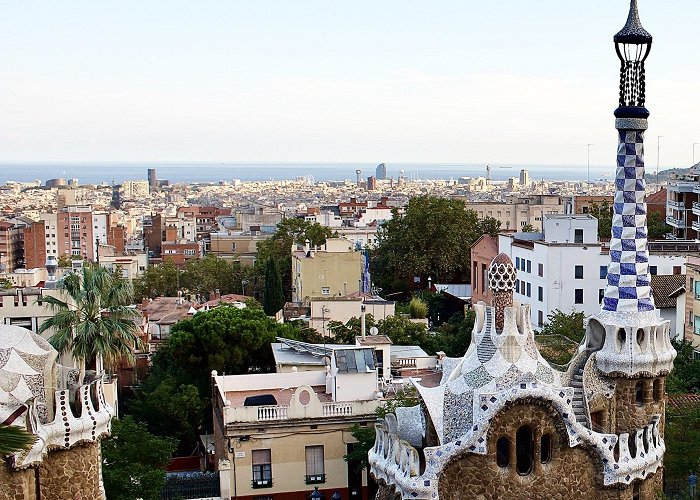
{"x": 262, "y": 468}
{"x": 545, "y": 448}
{"x": 314, "y": 465}
{"x": 636, "y": 493}
{"x": 540, "y": 318}
{"x": 676, "y": 269}
{"x": 658, "y": 392}
{"x": 529, "y": 266}
{"x": 578, "y": 296}
{"x": 233, "y": 246}
{"x": 189, "y": 251}
{"x": 639, "y": 394}
{"x": 601, "y": 295}
{"x": 578, "y": 235}
{"x": 603, "y": 272}
{"x": 484, "y": 278}
{"x": 325, "y": 290}
{"x": 578, "y": 272}
{"x": 517, "y": 286}
{"x": 653, "y": 270}
{"x": 502, "y": 452}
{"x": 517, "y": 263}
{"x": 540, "y": 269}
{"x": 540, "y": 293}
{"x": 528, "y": 287}
{"x": 524, "y": 450}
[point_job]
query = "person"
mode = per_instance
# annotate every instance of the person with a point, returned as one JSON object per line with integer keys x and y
{"x": 692, "y": 483}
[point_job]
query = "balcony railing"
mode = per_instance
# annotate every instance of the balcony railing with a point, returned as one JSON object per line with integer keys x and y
{"x": 261, "y": 483}
{"x": 315, "y": 479}
{"x": 696, "y": 208}
{"x": 672, "y": 221}
{"x": 404, "y": 363}
{"x": 683, "y": 187}
{"x": 337, "y": 409}
{"x": 266, "y": 413}
{"x": 677, "y": 205}
{"x": 289, "y": 412}
{"x": 696, "y": 225}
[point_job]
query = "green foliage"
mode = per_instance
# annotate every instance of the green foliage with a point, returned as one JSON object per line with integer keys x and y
{"x": 656, "y": 225}
{"x": 158, "y": 281}
{"x": 685, "y": 376}
{"x": 603, "y": 213}
{"x": 561, "y": 336}
{"x": 365, "y": 437}
{"x": 403, "y": 331}
{"x": 528, "y": 228}
{"x": 199, "y": 277}
{"x": 417, "y": 308}
{"x": 13, "y": 439}
{"x": 66, "y": 260}
{"x": 6, "y": 284}
{"x": 431, "y": 238}
{"x": 345, "y": 333}
{"x": 134, "y": 461}
{"x": 406, "y": 397}
{"x": 170, "y": 407}
{"x": 273, "y": 299}
{"x": 453, "y": 337}
{"x": 682, "y": 445}
{"x": 96, "y": 320}
{"x": 568, "y": 325}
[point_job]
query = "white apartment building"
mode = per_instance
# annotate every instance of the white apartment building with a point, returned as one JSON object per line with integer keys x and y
{"x": 100, "y": 223}
{"x": 565, "y": 267}
{"x": 135, "y": 189}
{"x": 51, "y": 234}
{"x": 325, "y": 218}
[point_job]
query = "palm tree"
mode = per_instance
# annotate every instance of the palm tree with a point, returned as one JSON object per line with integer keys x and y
{"x": 13, "y": 439}
{"x": 95, "y": 322}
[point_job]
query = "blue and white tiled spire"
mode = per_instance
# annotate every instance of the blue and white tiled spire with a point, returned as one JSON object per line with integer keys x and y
{"x": 629, "y": 283}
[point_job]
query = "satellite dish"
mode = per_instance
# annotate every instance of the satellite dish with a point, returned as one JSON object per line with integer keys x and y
{"x": 374, "y": 330}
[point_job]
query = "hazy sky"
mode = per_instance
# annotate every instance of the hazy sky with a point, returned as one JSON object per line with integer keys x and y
{"x": 464, "y": 81}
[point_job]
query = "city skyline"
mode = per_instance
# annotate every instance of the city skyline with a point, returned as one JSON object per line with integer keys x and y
{"x": 290, "y": 82}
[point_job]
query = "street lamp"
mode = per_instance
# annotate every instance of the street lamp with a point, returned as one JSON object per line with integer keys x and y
{"x": 316, "y": 495}
{"x": 244, "y": 283}
{"x": 336, "y": 496}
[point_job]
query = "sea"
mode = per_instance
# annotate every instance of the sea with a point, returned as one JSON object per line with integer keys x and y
{"x": 211, "y": 172}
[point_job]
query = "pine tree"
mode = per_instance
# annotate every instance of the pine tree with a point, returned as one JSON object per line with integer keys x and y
{"x": 274, "y": 295}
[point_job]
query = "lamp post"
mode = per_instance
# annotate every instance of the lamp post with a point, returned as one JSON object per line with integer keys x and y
{"x": 244, "y": 283}
{"x": 336, "y": 496}
{"x": 316, "y": 495}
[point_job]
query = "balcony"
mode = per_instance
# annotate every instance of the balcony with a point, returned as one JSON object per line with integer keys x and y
{"x": 696, "y": 225}
{"x": 279, "y": 413}
{"x": 696, "y": 208}
{"x": 683, "y": 187}
{"x": 315, "y": 479}
{"x": 261, "y": 483}
{"x": 676, "y": 205}
{"x": 673, "y": 222}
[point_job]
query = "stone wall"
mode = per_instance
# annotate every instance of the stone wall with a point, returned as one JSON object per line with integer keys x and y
{"x": 628, "y": 415}
{"x": 16, "y": 485}
{"x": 569, "y": 473}
{"x": 74, "y": 474}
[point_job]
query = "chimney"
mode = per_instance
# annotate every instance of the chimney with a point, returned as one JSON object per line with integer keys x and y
{"x": 217, "y": 294}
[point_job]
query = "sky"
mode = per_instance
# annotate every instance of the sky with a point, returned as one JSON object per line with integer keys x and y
{"x": 463, "y": 81}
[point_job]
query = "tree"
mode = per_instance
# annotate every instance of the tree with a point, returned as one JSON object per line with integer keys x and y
{"x": 454, "y": 336}
{"x": 13, "y": 439}
{"x": 162, "y": 280}
{"x": 603, "y": 213}
{"x": 346, "y": 333}
{"x": 685, "y": 376}
{"x": 528, "y": 228}
{"x": 561, "y": 335}
{"x": 171, "y": 407}
{"x": 682, "y": 439}
{"x": 417, "y": 308}
{"x": 403, "y": 331}
{"x": 134, "y": 461}
{"x": 365, "y": 437}
{"x": 431, "y": 238}
{"x": 273, "y": 299}
{"x": 656, "y": 224}
{"x": 65, "y": 260}
{"x": 96, "y": 322}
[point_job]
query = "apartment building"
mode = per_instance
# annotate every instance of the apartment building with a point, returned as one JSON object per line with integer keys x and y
{"x": 515, "y": 212}
{"x": 281, "y": 435}
{"x": 483, "y": 251}
{"x": 566, "y": 266}
{"x": 11, "y": 245}
{"x": 343, "y": 309}
{"x": 332, "y": 270}
{"x": 582, "y": 204}
{"x": 237, "y": 246}
{"x": 692, "y": 304}
{"x": 683, "y": 206}
{"x": 75, "y": 232}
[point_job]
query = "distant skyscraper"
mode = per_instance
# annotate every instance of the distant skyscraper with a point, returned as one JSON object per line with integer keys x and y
{"x": 371, "y": 183}
{"x": 381, "y": 172}
{"x": 358, "y": 172}
{"x": 152, "y": 180}
{"x": 524, "y": 178}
